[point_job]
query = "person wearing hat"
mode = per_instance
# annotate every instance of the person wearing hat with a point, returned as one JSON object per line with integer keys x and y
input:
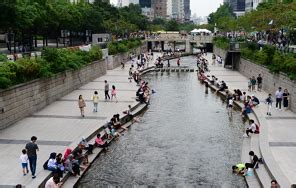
{"x": 255, "y": 100}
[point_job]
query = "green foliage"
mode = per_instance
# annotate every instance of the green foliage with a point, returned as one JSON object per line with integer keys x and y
{"x": 172, "y": 25}
{"x": 123, "y": 46}
{"x": 221, "y": 42}
{"x": 94, "y": 54}
{"x": 275, "y": 61}
{"x": 47, "y": 18}
{"x": 53, "y": 61}
{"x": 3, "y": 58}
{"x": 5, "y": 82}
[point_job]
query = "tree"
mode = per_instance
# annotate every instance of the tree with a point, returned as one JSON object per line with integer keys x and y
{"x": 172, "y": 25}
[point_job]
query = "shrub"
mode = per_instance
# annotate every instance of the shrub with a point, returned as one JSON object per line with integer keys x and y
{"x": 221, "y": 42}
{"x": 3, "y": 58}
{"x": 122, "y": 48}
{"x": 112, "y": 48}
{"x": 5, "y": 82}
{"x": 95, "y": 53}
{"x": 261, "y": 57}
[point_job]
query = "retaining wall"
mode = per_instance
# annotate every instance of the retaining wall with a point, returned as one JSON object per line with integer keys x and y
{"x": 114, "y": 61}
{"x": 271, "y": 81}
{"x": 23, "y": 100}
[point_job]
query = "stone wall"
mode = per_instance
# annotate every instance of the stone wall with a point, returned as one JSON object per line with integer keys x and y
{"x": 271, "y": 81}
{"x": 114, "y": 61}
{"x": 22, "y": 100}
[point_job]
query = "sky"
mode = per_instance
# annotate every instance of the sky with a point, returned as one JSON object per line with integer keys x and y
{"x": 200, "y": 7}
{"x": 204, "y": 7}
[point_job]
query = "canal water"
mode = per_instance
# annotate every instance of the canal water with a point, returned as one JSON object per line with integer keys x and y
{"x": 185, "y": 139}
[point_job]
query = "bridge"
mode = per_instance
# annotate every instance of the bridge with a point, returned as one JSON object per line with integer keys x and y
{"x": 172, "y": 38}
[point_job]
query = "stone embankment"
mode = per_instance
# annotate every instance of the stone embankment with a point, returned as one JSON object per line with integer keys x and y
{"x": 23, "y": 100}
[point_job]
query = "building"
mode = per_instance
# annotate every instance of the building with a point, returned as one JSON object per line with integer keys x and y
{"x": 89, "y": 1}
{"x": 252, "y": 4}
{"x": 145, "y": 3}
{"x": 149, "y": 12}
{"x": 162, "y": 8}
{"x": 238, "y": 6}
{"x": 123, "y": 3}
{"x": 178, "y": 12}
{"x": 187, "y": 10}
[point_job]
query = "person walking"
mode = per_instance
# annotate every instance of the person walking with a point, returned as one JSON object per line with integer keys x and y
{"x": 81, "y": 105}
{"x": 286, "y": 99}
{"x": 253, "y": 82}
{"x": 32, "y": 149}
{"x": 269, "y": 104}
{"x": 178, "y": 62}
{"x": 279, "y": 97}
{"x": 95, "y": 99}
{"x": 250, "y": 84}
{"x": 24, "y": 160}
{"x": 107, "y": 90}
{"x": 213, "y": 59}
{"x": 113, "y": 93}
{"x": 259, "y": 82}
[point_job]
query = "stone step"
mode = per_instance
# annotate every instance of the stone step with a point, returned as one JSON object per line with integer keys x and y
{"x": 252, "y": 181}
{"x": 261, "y": 172}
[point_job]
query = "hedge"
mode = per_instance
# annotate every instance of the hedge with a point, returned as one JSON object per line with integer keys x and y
{"x": 123, "y": 46}
{"x": 51, "y": 62}
{"x": 268, "y": 56}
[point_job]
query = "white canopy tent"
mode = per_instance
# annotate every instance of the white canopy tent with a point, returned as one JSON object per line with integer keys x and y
{"x": 195, "y": 31}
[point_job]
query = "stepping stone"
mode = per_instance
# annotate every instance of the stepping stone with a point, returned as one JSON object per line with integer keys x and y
{"x": 177, "y": 70}
{"x": 182, "y": 70}
{"x": 191, "y": 70}
{"x": 162, "y": 70}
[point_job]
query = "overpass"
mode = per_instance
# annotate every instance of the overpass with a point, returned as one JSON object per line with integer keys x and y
{"x": 171, "y": 38}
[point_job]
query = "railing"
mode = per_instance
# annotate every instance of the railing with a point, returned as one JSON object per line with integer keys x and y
{"x": 178, "y": 37}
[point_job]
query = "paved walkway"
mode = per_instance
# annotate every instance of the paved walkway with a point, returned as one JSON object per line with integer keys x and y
{"x": 59, "y": 126}
{"x": 279, "y": 140}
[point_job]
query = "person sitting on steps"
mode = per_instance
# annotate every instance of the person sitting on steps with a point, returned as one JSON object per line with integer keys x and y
{"x": 254, "y": 161}
{"x": 99, "y": 142}
{"x": 251, "y": 128}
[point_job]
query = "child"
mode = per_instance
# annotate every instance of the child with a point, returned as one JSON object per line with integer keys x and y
{"x": 24, "y": 160}
{"x": 269, "y": 101}
{"x": 249, "y": 84}
{"x": 113, "y": 93}
{"x": 95, "y": 99}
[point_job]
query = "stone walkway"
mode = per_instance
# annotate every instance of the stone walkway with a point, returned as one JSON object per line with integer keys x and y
{"x": 277, "y": 138}
{"x": 59, "y": 126}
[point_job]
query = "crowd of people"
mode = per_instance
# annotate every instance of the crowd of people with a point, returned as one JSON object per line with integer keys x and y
{"x": 73, "y": 161}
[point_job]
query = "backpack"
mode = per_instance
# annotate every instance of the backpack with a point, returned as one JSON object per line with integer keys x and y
{"x": 257, "y": 129}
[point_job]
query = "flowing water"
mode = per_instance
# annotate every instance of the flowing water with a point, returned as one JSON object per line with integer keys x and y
{"x": 185, "y": 139}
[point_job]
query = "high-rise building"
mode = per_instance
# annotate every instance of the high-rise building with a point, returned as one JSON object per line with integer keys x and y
{"x": 252, "y": 4}
{"x": 238, "y": 6}
{"x": 160, "y": 8}
{"x": 178, "y": 10}
{"x": 187, "y": 10}
{"x": 123, "y": 3}
{"x": 145, "y": 3}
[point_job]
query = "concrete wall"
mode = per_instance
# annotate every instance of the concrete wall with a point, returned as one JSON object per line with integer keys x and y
{"x": 22, "y": 100}
{"x": 271, "y": 81}
{"x": 114, "y": 61}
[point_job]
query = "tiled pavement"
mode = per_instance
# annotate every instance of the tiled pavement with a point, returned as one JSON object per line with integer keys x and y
{"x": 59, "y": 126}
{"x": 281, "y": 126}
